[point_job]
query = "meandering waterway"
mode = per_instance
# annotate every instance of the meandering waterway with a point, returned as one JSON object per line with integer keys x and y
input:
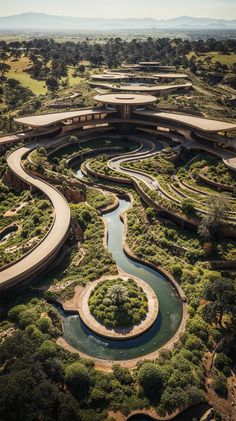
{"x": 170, "y": 313}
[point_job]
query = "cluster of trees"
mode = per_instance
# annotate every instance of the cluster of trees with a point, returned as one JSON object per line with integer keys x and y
{"x": 221, "y": 299}
{"x": 40, "y": 380}
{"x": 112, "y": 52}
{"x": 50, "y": 60}
{"x": 117, "y": 303}
{"x": 13, "y": 94}
{"x": 215, "y": 219}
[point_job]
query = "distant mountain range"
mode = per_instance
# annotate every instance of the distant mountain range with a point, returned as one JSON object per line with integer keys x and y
{"x": 41, "y": 21}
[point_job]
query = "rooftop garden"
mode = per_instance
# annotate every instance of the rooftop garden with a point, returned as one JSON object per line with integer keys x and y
{"x": 31, "y": 215}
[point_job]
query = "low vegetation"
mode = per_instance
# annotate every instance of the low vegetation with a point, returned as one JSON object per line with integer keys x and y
{"x": 220, "y": 174}
{"x": 31, "y": 215}
{"x": 40, "y": 380}
{"x": 90, "y": 261}
{"x": 98, "y": 199}
{"x": 100, "y": 166}
{"x": 118, "y": 303}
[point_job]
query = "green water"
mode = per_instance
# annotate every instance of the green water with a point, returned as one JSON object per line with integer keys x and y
{"x": 170, "y": 314}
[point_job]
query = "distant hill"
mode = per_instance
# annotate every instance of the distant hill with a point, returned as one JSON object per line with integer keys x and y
{"x": 41, "y": 21}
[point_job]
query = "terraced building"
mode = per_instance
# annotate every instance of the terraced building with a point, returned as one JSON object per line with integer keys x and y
{"x": 126, "y": 114}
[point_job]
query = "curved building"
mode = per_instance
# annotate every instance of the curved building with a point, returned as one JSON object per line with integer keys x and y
{"x": 125, "y": 113}
{"x": 130, "y": 112}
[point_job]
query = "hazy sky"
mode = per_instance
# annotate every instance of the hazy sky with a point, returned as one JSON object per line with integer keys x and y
{"x": 124, "y": 8}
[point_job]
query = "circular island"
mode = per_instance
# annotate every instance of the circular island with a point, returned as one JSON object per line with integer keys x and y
{"x": 118, "y": 307}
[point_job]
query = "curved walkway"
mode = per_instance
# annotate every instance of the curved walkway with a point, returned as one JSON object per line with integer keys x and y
{"x": 149, "y": 150}
{"x": 151, "y": 182}
{"x": 46, "y": 250}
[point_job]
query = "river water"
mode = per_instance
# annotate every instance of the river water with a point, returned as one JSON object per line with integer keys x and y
{"x": 170, "y": 306}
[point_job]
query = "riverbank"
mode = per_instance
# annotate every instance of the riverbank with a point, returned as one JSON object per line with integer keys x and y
{"x": 106, "y": 364}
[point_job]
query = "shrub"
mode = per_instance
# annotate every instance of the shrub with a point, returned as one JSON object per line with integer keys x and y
{"x": 150, "y": 378}
{"x": 188, "y": 207}
{"x": 222, "y": 363}
{"x": 44, "y": 324}
{"x": 118, "y": 303}
{"x": 220, "y": 384}
{"x": 15, "y": 312}
{"x": 177, "y": 270}
{"x": 77, "y": 379}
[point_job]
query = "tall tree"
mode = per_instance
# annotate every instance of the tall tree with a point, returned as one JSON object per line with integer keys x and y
{"x": 215, "y": 219}
{"x": 52, "y": 84}
{"x": 4, "y": 68}
{"x": 118, "y": 293}
{"x": 221, "y": 294}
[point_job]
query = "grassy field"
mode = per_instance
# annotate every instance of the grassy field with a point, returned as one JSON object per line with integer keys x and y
{"x": 38, "y": 87}
{"x": 18, "y": 72}
{"x": 228, "y": 59}
{"x": 72, "y": 80}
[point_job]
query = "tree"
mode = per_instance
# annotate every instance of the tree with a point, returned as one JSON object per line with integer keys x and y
{"x": 118, "y": 293}
{"x": 150, "y": 377}
{"x": 52, "y": 84}
{"x": 219, "y": 384}
{"x": 218, "y": 66}
{"x": 221, "y": 295}
{"x": 3, "y": 56}
{"x": 48, "y": 349}
{"x": 81, "y": 68}
{"x": 222, "y": 363}
{"x": 45, "y": 324}
{"x": 59, "y": 68}
{"x": 78, "y": 380}
{"x": 150, "y": 212}
{"x": 16, "y": 53}
{"x": 188, "y": 206}
{"x": 13, "y": 83}
{"x": 212, "y": 222}
{"x": 4, "y": 68}
{"x": 16, "y": 311}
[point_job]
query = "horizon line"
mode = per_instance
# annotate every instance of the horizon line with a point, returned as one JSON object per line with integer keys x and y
{"x": 119, "y": 18}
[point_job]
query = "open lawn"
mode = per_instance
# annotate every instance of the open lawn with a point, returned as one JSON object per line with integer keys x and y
{"x": 228, "y": 59}
{"x": 38, "y": 87}
{"x": 72, "y": 80}
{"x": 18, "y": 72}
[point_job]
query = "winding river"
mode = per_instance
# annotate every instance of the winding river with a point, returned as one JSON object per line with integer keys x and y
{"x": 170, "y": 313}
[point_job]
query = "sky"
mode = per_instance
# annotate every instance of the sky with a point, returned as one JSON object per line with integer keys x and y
{"x": 159, "y": 9}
